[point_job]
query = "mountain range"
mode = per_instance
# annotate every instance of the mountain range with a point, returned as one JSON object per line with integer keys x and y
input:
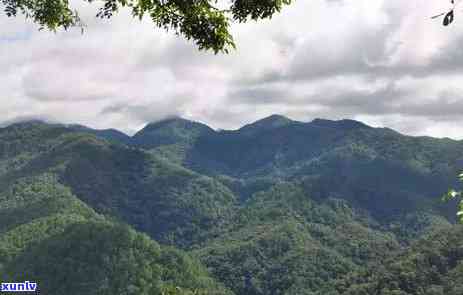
{"x": 275, "y": 207}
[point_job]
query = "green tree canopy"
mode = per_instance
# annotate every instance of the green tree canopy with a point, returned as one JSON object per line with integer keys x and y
{"x": 202, "y": 21}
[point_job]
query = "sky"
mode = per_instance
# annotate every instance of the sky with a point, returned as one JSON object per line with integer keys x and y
{"x": 382, "y": 62}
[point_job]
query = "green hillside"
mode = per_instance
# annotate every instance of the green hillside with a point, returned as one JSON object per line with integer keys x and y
{"x": 276, "y": 207}
{"x": 431, "y": 266}
{"x": 167, "y": 201}
{"x": 49, "y": 236}
{"x": 282, "y": 242}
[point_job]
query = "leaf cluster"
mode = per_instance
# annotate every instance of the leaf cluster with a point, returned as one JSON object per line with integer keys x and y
{"x": 198, "y": 20}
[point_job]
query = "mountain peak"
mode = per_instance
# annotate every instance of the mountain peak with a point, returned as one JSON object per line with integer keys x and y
{"x": 171, "y": 120}
{"x": 171, "y": 130}
{"x": 274, "y": 117}
{"x": 267, "y": 123}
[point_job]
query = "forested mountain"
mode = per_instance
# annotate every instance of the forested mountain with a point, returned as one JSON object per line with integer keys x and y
{"x": 276, "y": 207}
{"x": 378, "y": 169}
{"x": 49, "y": 236}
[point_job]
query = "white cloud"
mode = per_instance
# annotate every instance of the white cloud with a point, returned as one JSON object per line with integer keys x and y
{"x": 382, "y": 61}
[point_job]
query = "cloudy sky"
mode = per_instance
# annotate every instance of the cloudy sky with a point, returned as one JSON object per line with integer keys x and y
{"x": 385, "y": 63}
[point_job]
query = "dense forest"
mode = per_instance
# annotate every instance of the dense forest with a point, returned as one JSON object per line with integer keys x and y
{"x": 275, "y": 207}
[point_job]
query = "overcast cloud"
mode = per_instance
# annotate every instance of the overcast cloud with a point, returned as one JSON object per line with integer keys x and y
{"x": 384, "y": 62}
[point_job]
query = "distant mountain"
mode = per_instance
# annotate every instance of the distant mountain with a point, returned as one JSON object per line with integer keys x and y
{"x": 112, "y": 135}
{"x": 169, "y": 132}
{"x": 171, "y": 138}
{"x": 268, "y": 123}
{"x": 157, "y": 197}
{"x": 277, "y": 207}
{"x": 278, "y": 143}
{"x": 378, "y": 169}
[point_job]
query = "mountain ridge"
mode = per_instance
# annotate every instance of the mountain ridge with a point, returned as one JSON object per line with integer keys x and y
{"x": 268, "y": 119}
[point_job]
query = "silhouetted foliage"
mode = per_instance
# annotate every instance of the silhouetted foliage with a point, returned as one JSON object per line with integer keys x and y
{"x": 200, "y": 21}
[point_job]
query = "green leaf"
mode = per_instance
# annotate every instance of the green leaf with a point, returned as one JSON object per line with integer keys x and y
{"x": 450, "y": 195}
